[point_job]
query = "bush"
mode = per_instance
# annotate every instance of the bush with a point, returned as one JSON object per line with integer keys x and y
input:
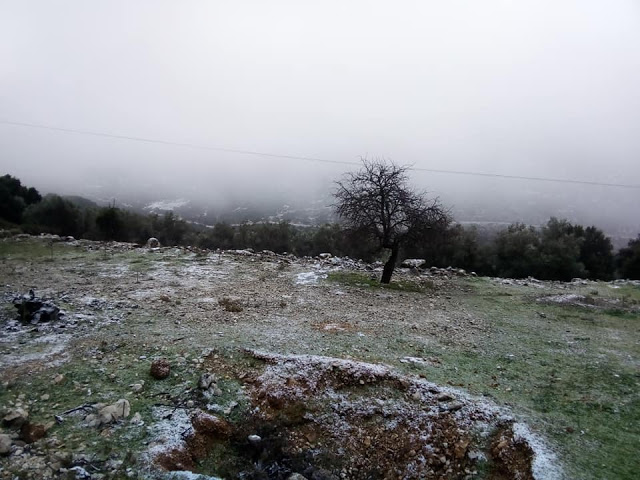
{"x": 517, "y": 251}
{"x": 168, "y": 228}
{"x": 560, "y": 251}
{"x": 596, "y": 254}
{"x": 14, "y": 198}
{"x": 55, "y": 215}
{"x": 628, "y": 260}
{"x": 110, "y": 223}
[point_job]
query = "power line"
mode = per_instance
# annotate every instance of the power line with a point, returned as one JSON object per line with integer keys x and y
{"x": 308, "y": 159}
{"x": 176, "y": 144}
{"x": 535, "y": 179}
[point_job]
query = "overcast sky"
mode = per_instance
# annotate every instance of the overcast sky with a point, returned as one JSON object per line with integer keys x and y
{"x": 540, "y": 88}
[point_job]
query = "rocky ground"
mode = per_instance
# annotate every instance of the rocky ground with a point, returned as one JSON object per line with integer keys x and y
{"x": 255, "y": 365}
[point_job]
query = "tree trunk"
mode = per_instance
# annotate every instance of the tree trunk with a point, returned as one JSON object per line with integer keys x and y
{"x": 390, "y": 265}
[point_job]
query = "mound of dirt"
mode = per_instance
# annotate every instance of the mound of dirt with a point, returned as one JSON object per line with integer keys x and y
{"x": 326, "y": 418}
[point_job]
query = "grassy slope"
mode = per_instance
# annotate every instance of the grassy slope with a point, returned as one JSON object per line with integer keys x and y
{"x": 571, "y": 372}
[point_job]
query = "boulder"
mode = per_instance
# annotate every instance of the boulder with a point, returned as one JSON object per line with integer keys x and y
{"x": 413, "y": 263}
{"x": 5, "y": 444}
{"x": 32, "y": 309}
{"x": 153, "y": 242}
{"x": 16, "y": 417}
{"x": 109, "y": 414}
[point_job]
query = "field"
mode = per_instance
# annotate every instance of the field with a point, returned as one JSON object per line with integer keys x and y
{"x": 296, "y": 347}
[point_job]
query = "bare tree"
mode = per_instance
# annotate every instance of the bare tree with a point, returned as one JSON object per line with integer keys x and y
{"x": 377, "y": 201}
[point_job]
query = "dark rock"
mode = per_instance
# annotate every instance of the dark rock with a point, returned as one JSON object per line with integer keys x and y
{"x": 444, "y": 397}
{"x": 32, "y": 309}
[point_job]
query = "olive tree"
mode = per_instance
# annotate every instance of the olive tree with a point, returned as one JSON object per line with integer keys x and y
{"x": 377, "y": 201}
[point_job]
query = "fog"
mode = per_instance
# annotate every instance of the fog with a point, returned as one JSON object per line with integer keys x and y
{"x": 524, "y": 88}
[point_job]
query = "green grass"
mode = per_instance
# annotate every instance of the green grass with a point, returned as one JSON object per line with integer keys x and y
{"x": 103, "y": 379}
{"x": 355, "y": 279}
{"x": 573, "y": 375}
{"x": 31, "y": 250}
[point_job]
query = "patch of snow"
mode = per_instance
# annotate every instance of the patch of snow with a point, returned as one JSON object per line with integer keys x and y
{"x": 166, "y": 433}
{"x": 167, "y": 204}
{"x": 414, "y": 360}
{"x": 545, "y": 465}
{"x": 568, "y": 299}
{"x": 310, "y": 278}
{"x": 51, "y": 345}
{"x": 184, "y": 475}
{"x": 244, "y": 253}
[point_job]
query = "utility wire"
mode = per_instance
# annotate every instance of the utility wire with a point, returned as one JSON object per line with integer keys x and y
{"x": 308, "y": 159}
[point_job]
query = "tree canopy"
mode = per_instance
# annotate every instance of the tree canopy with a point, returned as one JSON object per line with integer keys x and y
{"x": 377, "y": 202}
{"x": 14, "y": 198}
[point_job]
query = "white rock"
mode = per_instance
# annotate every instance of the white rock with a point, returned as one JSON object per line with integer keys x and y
{"x": 136, "y": 387}
{"x": 413, "y": 263}
{"x": 110, "y": 413}
{"x": 5, "y": 444}
{"x": 136, "y": 419}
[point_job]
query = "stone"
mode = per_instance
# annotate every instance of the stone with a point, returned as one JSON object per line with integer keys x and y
{"x": 80, "y": 473}
{"x": 153, "y": 242}
{"x": 16, "y": 417}
{"x": 413, "y": 263}
{"x": 322, "y": 474}
{"x": 206, "y": 381}
{"x": 32, "y": 309}
{"x": 137, "y": 419}
{"x": 460, "y": 449}
{"x": 254, "y": 439}
{"x": 296, "y": 476}
{"x": 136, "y": 387}
{"x": 210, "y": 425}
{"x": 444, "y": 397}
{"x": 160, "y": 369}
{"x": 109, "y": 414}
{"x": 5, "y": 444}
